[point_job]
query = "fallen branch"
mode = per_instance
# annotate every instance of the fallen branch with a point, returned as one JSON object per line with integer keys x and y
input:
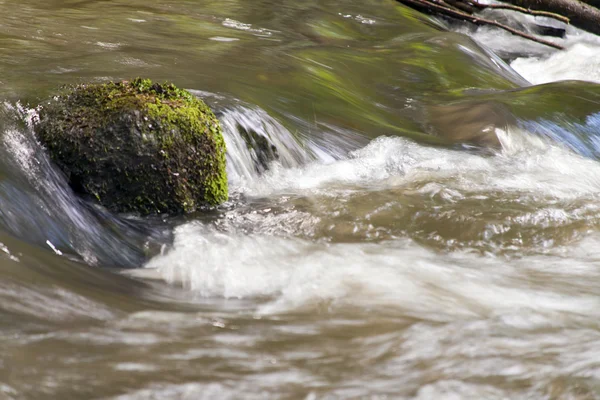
{"x": 581, "y": 15}
{"x": 520, "y": 9}
{"x": 451, "y": 12}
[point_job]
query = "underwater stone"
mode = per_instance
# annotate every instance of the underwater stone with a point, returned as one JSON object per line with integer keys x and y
{"x": 264, "y": 151}
{"x": 136, "y": 146}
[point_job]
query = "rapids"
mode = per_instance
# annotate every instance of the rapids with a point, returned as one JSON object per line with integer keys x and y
{"x": 423, "y": 224}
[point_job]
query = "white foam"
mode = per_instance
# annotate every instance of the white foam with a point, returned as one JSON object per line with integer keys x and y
{"x": 232, "y": 23}
{"x": 579, "y": 62}
{"x": 526, "y": 164}
{"x": 542, "y": 64}
{"x": 295, "y": 273}
{"x": 399, "y": 276}
{"x": 109, "y": 46}
{"x": 223, "y": 39}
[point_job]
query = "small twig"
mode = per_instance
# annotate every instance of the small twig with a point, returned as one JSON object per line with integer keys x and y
{"x": 478, "y": 21}
{"x": 548, "y": 14}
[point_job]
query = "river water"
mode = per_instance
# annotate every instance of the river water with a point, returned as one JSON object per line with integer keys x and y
{"x": 430, "y": 228}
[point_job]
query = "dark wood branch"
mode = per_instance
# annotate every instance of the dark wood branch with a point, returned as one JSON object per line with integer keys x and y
{"x": 581, "y": 15}
{"x": 431, "y": 7}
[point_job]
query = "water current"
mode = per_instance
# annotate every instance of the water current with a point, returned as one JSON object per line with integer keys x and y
{"x": 425, "y": 225}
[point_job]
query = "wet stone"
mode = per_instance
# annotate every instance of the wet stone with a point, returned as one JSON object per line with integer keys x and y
{"x": 136, "y": 146}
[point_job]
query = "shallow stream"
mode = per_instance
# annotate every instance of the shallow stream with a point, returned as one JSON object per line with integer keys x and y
{"x": 430, "y": 229}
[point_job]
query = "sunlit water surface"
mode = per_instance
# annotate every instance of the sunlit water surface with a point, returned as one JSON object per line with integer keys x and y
{"x": 424, "y": 225}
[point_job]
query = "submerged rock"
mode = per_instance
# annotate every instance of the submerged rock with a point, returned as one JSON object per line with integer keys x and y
{"x": 136, "y": 146}
{"x": 470, "y": 122}
{"x": 263, "y": 151}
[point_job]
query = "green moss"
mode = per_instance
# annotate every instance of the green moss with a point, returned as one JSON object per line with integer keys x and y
{"x": 137, "y": 145}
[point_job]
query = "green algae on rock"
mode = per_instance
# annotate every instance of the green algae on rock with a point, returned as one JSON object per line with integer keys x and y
{"x": 136, "y": 146}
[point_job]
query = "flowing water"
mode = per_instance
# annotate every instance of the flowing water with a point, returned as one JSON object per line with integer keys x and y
{"x": 424, "y": 222}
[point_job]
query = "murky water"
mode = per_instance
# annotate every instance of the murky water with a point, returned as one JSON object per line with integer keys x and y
{"x": 425, "y": 225}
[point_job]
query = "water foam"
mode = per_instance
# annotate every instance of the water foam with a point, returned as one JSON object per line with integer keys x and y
{"x": 581, "y": 61}
{"x": 536, "y": 62}
{"x": 397, "y": 276}
{"x": 526, "y": 164}
{"x": 294, "y": 273}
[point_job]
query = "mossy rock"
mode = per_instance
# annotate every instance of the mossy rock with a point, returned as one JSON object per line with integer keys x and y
{"x": 136, "y": 146}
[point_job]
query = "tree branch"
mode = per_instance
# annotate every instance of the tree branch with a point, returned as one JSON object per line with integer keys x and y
{"x": 439, "y": 9}
{"x": 520, "y": 9}
{"x": 580, "y": 14}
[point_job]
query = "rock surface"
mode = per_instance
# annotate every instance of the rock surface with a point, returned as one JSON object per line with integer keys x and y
{"x": 136, "y": 146}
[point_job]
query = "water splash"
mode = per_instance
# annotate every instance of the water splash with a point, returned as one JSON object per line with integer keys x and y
{"x": 581, "y": 138}
{"x": 563, "y": 65}
{"x": 540, "y": 191}
{"x": 39, "y": 206}
{"x": 254, "y": 140}
{"x": 398, "y": 276}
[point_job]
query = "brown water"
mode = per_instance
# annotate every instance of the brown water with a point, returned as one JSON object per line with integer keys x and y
{"x": 430, "y": 230}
